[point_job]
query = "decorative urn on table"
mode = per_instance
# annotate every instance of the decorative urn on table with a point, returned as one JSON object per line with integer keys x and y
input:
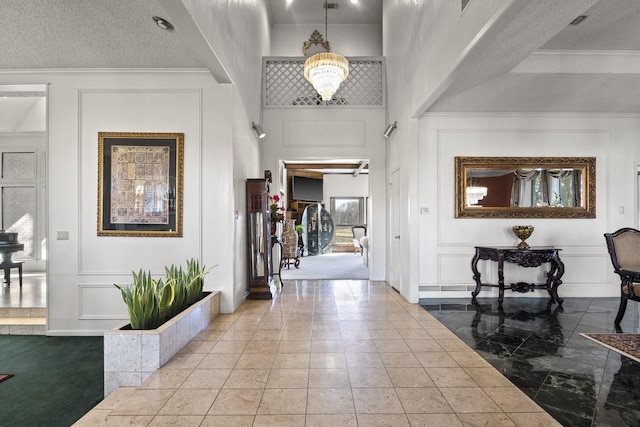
{"x": 290, "y": 245}
{"x": 290, "y": 239}
{"x": 523, "y": 232}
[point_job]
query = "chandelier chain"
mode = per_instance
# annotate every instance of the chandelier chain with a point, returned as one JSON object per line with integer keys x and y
{"x": 325, "y": 71}
{"x": 326, "y": 26}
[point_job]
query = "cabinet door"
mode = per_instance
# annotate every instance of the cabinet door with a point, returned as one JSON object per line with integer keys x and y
{"x": 259, "y": 240}
{"x": 257, "y": 247}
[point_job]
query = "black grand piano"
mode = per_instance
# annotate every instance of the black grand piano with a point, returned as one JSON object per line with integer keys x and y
{"x": 8, "y": 246}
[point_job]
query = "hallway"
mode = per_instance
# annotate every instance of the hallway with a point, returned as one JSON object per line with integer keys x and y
{"x": 335, "y": 266}
{"x": 324, "y": 353}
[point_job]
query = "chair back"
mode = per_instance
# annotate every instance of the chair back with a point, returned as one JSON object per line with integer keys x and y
{"x": 624, "y": 248}
{"x": 359, "y": 231}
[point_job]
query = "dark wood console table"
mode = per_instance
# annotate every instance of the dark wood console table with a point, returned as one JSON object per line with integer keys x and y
{"x": 532, "y": 257}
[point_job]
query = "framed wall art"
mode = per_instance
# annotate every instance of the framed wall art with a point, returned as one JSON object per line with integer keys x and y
{"x": 140, "y": 182}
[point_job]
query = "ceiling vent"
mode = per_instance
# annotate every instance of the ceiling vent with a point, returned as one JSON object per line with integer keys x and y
{"x": 331, "y": 6}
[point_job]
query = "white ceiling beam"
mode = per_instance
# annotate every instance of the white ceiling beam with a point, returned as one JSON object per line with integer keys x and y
{"x": 580, "y": 62}
{"x": 193, "y": 37}
{"x": 363, "y": 164}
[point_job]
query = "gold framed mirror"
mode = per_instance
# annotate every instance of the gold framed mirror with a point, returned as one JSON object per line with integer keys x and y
{"x": 525, "y": 187}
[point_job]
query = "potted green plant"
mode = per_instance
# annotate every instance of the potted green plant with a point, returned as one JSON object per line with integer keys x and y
{"x": 300, "y": 229}
{"x": 165, "y": 314}
{"x": 148, "y": 301}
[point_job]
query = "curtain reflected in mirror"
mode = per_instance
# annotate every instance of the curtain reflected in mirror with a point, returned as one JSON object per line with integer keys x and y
{"x": 525, "y": 187}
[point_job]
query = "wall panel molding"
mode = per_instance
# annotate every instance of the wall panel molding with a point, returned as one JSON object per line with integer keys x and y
{"x": 93, "y": 303}
{"x": 324, "y": 133}
{"x": 154, "y": 104}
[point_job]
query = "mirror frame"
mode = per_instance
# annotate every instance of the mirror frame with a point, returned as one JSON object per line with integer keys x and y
{"x": 587, "y": 164}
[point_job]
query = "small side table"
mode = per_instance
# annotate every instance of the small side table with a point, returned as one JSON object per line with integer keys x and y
{"x": 287, "y": 261}
{"x": 275, "y": 240}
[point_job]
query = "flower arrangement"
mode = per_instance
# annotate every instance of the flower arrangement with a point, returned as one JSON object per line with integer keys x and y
{"x": 277, "y": 211}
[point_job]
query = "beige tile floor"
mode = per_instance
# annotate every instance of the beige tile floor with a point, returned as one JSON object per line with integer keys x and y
{"x": 324, "y": 353}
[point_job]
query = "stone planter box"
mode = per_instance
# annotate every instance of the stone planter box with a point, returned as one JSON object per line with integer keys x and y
{"x": 131, "y": 356}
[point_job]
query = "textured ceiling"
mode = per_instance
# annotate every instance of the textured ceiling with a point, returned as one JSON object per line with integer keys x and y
{"x": 40, "y": 34}
{"x": 610, "y": 25}
{"x": 539, "y": 63}
{"x": 312, "y": 12}
{"x": 53, "y": 34}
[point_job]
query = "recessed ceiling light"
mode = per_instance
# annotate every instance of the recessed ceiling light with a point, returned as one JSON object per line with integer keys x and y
{"x": 163, "y": 23}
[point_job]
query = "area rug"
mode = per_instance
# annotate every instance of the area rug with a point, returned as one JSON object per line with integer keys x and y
{"x": 625, "y": 344}
{"x": 331, "y": 266}
{"x": 5, "y": 377}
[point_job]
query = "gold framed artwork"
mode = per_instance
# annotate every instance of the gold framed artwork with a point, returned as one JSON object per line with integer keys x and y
{"x": 140, "y": 183}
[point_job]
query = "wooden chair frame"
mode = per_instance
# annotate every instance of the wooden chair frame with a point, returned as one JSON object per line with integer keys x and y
{"x": 627, "y": 266}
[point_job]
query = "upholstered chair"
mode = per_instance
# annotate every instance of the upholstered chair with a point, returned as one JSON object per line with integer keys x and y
{"x": 359, "y": 231}
{"x": 624, "y": 249}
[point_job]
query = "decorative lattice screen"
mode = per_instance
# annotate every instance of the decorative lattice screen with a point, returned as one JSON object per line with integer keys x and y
{"x": 285, "y": 85}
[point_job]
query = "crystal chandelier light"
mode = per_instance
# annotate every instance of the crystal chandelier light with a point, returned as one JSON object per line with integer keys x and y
{"x": 326, "y": 70}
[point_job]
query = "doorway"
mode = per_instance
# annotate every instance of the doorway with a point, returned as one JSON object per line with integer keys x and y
{"x": 23, "y": 204}
{"x": 394, "y": 230}
{"x": 341, "y": 188}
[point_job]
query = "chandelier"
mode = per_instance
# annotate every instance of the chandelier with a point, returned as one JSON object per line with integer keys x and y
{"x": 475, "y": 194}
{"x": 326, "y": 70}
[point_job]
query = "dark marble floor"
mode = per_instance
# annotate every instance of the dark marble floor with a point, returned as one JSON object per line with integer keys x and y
{"x": 537, "y": 346}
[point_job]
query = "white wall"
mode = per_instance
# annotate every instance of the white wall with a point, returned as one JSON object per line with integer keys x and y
{"x": 446, "y": 244}
{"x": 423, "y": 42}
{"x": 344, "y": 185}
{"x": 428, "y": 46}
{"x": 311, "y": 134}
{"x": 247, "y": 163}
{"x": 347, "y": 185}
{"x": 220, "y": 153}
{"x": 82, "y": 270}
{"x": 238, "y": 33}
{"x": 347, "y": 40}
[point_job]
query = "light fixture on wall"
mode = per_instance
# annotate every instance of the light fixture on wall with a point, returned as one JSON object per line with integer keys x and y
{"x": 580, "y": 19}
{"x": 389, "y": 130}
{"x": 163, "y": 23}
{"x": 258, "y": 130}
{"x": 325, "y": 70}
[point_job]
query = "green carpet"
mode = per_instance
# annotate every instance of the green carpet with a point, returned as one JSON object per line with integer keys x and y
{"x": 57, "y": 379}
